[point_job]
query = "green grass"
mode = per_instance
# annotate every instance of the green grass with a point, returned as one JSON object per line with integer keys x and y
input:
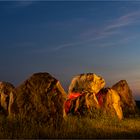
{"x": 73, "y": 127}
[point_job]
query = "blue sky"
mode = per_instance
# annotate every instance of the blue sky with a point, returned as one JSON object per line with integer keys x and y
{"x": 68, "y": 38}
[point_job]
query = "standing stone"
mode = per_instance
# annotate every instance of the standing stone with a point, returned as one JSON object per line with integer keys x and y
{"x": 127, "y": 101}
{"x": 41, "y": 98}
{"x": 109, "y": 101}
{"x": 87, "y": 82}
{"x": 82, "y": 94}
{"x": 6, "y": 91}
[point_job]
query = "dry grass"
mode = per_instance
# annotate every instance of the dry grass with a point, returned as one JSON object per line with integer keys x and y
{"x": 103, "y": 127}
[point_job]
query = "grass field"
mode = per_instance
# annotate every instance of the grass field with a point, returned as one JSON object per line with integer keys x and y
{"x": 73, "y": 127}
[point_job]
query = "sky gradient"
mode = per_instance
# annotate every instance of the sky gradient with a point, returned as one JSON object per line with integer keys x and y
{"x": 69, "y": 38}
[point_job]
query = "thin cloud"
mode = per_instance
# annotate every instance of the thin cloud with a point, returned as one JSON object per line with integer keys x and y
{"x": 107, "y": 31}
{"x": 99, "y": 36}
{"x": 66, "y": 45}
{"x": 123, "y": 41}
{"x": 124, "y": 21}
{"x": 22, "y": 3}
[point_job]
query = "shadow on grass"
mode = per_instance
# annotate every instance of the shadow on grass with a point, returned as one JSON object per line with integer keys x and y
{"x": 73, "y": 127}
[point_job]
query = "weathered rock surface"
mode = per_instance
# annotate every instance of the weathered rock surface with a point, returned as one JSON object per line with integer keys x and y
{"x": 6, "y": 97}
{"x": 88, "y": 82}
{"x": 82, "y": 94}
{"x": 81, "y": 104}
{"x": 41, "y": 97}
{"x": 87, "y": 95}
{"x": 110, "y": 102}
{"x": 128, "y": 103}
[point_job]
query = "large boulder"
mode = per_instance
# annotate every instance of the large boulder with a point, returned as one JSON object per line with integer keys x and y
{"x": 88, "y": 82}
{"x": 110, "y": 103}
{"x": 87, "y": 95}
{"x": 128, "y": 103}
{"x": 6, "y": 97}
{"x": 82, "y": 98}
{"x": 41, "y": 98}
{"x": 83, "y": 104}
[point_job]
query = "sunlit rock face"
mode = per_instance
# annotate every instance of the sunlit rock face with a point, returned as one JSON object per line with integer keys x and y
{"x": 81, "y": 99}
{"x": 88, "y": 82}
{"x": 87, "y": 95}
{"x": 109, "y": 101}
{"x": 127, "y": 101}
{"x": 41, "y": 98}
{"x": 81, "y": 104}
{"x": 6, "y": 97}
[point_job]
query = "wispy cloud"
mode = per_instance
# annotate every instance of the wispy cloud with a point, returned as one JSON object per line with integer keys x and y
{"x": 25, "y": 3}
{"x": 125, "y": 20}
{"x": 97, "y": 36}
{"x": 111, "y": 29}
{"x": 22, "y": 3}
{"x": 85, "y": 41}
{"x": 118, "y": 42}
